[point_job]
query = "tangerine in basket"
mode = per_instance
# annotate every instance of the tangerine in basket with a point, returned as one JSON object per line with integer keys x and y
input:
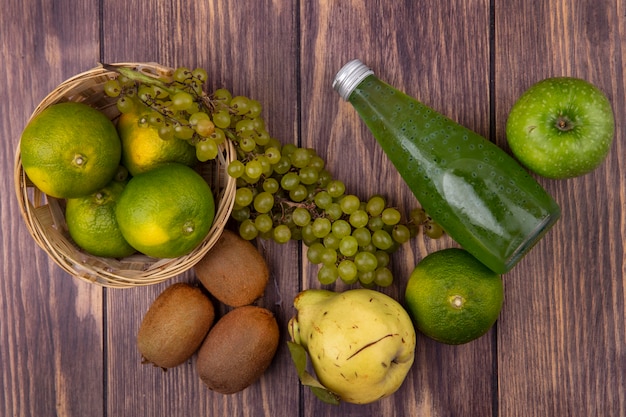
{"x": 92, "y": 225}
{"x": 167, "y": 211}
{"x": 143, "y": 148}
{"x": 70, "y": 150}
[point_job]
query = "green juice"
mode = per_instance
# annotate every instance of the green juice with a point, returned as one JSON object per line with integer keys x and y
{"x": 479, "y": 194}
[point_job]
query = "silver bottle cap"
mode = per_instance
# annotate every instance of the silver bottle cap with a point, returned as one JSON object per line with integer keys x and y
{"x": 349, "y": 77}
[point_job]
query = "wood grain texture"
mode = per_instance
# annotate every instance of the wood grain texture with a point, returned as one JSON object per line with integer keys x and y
{"x": 50, "y": 323}
{"x": 559, "y": 348}
{"x": 562, "y": 334}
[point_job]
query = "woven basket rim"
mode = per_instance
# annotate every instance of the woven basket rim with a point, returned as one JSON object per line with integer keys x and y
{"x": 40, "y": 211}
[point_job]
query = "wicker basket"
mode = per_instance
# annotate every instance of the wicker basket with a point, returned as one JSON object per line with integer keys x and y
{"x": 44, "y": 215}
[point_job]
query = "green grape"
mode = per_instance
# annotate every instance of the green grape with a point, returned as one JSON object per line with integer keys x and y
{"x": 221, "y": 118}
{"x": 290, "y": 181}
{"x": 145, "y": 93}
{"x": 308, "y": 237}
{"x": 382, "y": 240}
{"x": 166, "y": 132}
{"x": 317, "y": 163}
{"x": 348, "y": 246}
{"x": 263, "y": 223}
{"x": 271, "y": 185}
{"x": 240, "y": 213}
{"x": 222, "y": 95}
{"x": 254, "y": 169}
{"x": 375, "y": 223}
{"x": 299, "y": 193}
{"x": 200, "y": 74}
{"x": 263, "y": 202}
{"x": 206, "y": 150}
{"x": 341, "y": 228}
{"x": 333, "y": 211}
{"x": 327, "y": 274}
{"x": 329, "y": 256}
{"x": 375, "y": 205}
{"x": 181, "y": 74}
{"x": 418, "y": 215}
{"x": 359, "y": 218}
{"x": 265, "y": 164}
{"x": 365, "y": 261}
{"x": 258, "y": 123}
{"x": 218, "y": 136}
{"x": 314, "y": 253}
{"x": 244, "y": 197}
{"x": 198, "y": 116}
{"x": 247, "y": 144}
{"x": 289, "y": 148}
{"x": 363, "y": 236}
{"x": 433, "y": 230}
{"x": 300, "y": 157}
{"x": 236, "y": 168}
{"x": 254, "y": 109}
{"x": 323, "y": 200}
{"x": 182, "y": 101}
{"x": 391, "y": 216}
{"x": 155, "y": 119}
{"x": 321, "y": 227}
{"x": 308, "y": 175}
{"x": 366, "y": 278}
{"x": 283, "y": 166}
{"x": 382, "y": 257}
{"x": 240, "y": 104}
{"x": 112, "y": 88}
{"x": 383, "y": 277}
{"x": 350, "y": 203}
{"x": 324, "y": 178}
{"x": 204, "y": 127}
{"x": 301, "y": 216}
{"x": 401, "y": 233}
{"x": 125, "y": 104}
{"x": 282, "y": 234}
{"x": 183, "y": 132}
{"x": 336, "y": 188}
{"x": 273, "y": 155}
{"x": 244, "y": 125}
{"x": 248, "y": 230}
{"x": 347, "y": 271}
{"x": 331, "y": 241}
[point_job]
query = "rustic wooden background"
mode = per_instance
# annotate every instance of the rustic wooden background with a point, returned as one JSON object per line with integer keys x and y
{"x": 559, "y": 349}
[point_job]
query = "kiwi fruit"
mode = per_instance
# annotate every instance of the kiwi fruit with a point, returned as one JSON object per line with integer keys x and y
{"x": 233, "y": 271}
{"x": 175, "y": 325}
{"x": 238, "y": 349}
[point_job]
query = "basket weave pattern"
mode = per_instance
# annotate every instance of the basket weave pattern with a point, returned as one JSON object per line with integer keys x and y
{"x": 44, "y": 215}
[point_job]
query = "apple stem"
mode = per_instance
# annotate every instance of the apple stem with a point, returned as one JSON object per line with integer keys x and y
{"x": 564, "y": 123}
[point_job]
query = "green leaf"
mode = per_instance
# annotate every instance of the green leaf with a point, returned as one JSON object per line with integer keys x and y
{"x": 299, "y": 357}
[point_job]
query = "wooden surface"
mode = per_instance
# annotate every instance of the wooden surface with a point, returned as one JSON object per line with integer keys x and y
{"x": 559, "y": 348}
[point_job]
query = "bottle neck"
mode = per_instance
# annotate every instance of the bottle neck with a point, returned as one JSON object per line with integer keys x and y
{"x": 349, "y": 77}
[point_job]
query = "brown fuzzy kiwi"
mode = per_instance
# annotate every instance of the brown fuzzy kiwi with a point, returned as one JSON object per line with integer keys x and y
{"x": 175, "y": 325}
{"x": 233, "y": 271}
{"x": 238, "y": 349}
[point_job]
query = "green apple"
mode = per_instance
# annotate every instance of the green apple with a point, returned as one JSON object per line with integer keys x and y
{"x": 561, "y": 127}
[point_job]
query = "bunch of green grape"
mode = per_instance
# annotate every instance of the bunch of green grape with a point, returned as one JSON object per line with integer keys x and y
{"x": 178, "y": 106}
{"x": 284, "y": 192}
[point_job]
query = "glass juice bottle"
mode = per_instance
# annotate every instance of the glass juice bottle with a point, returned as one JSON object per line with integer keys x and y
{"x": 478, "y": 194}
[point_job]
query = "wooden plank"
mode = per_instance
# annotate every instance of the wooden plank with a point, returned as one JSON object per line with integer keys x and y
{"x": 438, "y": 53}
{"x": 562, "y": 336}
{"x": 51, "y": 324}
{"x": 249, "y": 48}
